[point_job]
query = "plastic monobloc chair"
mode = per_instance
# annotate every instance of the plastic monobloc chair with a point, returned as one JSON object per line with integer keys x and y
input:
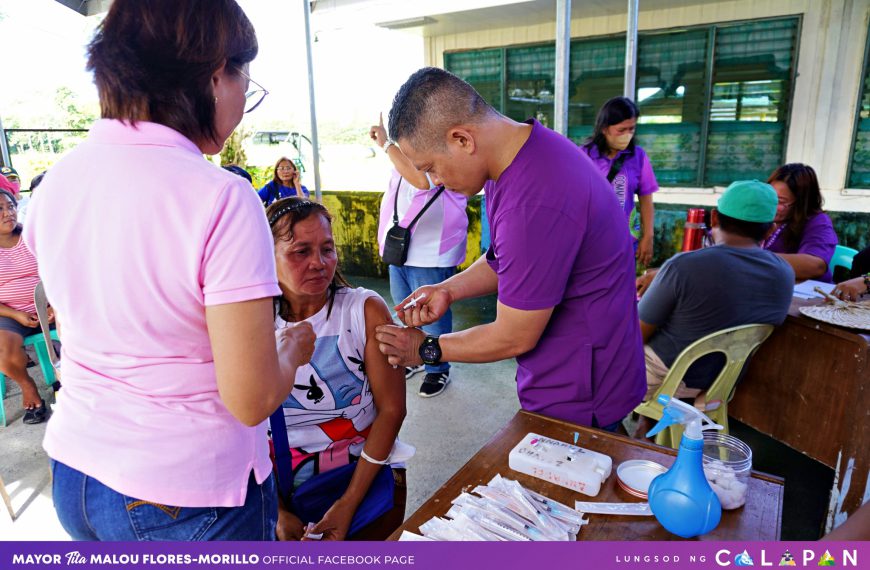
{"x": 42, "y": 345}
{"x": 842, "y": 258}
{"x": 737, "y": 344}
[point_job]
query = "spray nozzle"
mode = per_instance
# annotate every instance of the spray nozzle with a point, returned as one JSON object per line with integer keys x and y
{"x": 677, "y": 412}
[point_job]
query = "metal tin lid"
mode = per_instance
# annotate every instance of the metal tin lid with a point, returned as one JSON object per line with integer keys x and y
{"x": 635, "y": 476}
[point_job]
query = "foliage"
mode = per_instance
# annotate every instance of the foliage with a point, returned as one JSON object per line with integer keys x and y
{"x": 260, "y": 174}
{"x": 234, "y": 151}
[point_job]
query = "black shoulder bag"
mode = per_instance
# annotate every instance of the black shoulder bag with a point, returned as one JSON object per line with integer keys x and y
{"x": 398, "y": 239}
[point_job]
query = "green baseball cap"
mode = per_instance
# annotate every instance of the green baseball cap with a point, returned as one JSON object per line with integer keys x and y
{"x": 750, "y": 201}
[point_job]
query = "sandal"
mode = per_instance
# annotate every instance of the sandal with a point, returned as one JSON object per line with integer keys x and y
{"x": 36, "y": 415}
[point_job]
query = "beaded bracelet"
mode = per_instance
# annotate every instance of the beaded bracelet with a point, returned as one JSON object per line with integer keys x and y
{"x": 866, "y": 284}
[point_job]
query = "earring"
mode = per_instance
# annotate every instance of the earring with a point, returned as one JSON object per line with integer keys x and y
{"x": 215, "y": 100}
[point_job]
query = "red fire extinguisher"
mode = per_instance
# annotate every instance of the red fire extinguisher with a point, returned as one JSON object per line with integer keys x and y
{"x": 693, "y": 237}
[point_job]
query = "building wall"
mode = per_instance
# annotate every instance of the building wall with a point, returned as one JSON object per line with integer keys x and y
{"x": 356, "y": 214}
{"x": 826, "y": 91}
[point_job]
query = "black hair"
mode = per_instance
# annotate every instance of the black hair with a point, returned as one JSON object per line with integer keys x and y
{"x": 3, "y": 192}
{"x": 801, "y": 179}
{"x": 37, "y": 180}
{"x": 293, "y": 210}
{"x": 429, "y": 103}
{"x": 154, "y": 60}
{"x": 238, "y": 171}
{"x": 756, "y": 231}
{"x": 613, "y": 112}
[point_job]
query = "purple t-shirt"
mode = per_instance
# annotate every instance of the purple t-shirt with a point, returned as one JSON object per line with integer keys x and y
{"x": 636, "y": 176}
{"x": 819, "y": 239}
{"x": 559, "y": 240}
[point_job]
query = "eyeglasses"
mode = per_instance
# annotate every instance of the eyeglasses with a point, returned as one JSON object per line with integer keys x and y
{"x": 253, "y": 97}
{"x": 286, "y": 168}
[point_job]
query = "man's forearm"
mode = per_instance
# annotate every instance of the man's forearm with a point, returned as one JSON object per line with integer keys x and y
{"x": 476, "y": 281}
{"x": 483, "y": 343}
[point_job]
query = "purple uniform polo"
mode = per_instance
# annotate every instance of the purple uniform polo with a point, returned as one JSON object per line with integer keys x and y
{"x": 819, "y": 239}
{"x": 636, "y": 176}
{"x": 559, "y": 240}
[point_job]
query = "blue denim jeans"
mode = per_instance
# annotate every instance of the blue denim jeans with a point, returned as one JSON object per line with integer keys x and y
{"x": 88, "y": 510}
{"x": 405, "y": 280}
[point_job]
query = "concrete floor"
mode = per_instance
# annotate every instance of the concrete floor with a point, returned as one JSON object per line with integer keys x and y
{"x": 446, "y": 430}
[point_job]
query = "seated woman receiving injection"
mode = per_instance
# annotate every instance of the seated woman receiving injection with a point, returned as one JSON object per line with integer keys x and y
{"x": 348, "y": 403}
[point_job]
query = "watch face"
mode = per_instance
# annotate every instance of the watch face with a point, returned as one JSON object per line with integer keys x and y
{"x": 430, "y": 352}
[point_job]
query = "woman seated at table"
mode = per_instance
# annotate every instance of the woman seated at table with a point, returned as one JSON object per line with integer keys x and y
{"x": 348, "y": 403}
{"x": 286, "y": 181}
{"x": 803, "y": 234}
{"x": 18, "y": 320}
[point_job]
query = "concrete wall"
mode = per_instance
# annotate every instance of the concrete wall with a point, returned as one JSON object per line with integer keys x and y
{"x": 826, "y": 92}
{"x": 356, "y": 225}
{"x": 355, "y": 228}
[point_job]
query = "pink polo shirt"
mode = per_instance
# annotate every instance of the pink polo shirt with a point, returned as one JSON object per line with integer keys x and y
{"x": 135, "y": 234}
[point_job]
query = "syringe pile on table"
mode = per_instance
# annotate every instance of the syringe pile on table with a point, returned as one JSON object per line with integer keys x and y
{"x": 504, "y": 510}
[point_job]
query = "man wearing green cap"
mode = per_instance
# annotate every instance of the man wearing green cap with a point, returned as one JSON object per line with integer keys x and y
{"x": 733, "y": 283}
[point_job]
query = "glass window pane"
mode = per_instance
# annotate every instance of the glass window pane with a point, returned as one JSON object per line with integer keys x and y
{"x": 531, "y": 76}
{"x": 750, "y": 104}
{"x": 482, "y": 69}
{"x": 859, "y": 170}
{"x": 671, "y": 85}
{"x": 597, "y": 74}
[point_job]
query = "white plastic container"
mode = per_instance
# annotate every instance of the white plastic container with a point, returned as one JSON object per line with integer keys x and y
{"x": 727, "y": 466}
{"x": 561, "y": 463}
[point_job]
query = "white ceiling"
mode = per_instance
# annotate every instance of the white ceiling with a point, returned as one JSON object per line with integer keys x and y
{"x": 453, "y": 16}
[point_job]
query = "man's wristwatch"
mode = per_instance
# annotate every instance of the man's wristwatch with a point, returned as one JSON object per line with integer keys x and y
{"x": 430, "y": 351}
{"x": 390, "y": 142}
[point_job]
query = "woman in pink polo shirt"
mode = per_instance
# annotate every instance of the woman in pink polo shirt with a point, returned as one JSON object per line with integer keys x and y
{"x": 163, "y": 288}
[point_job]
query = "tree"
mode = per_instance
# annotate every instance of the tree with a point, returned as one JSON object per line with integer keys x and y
{"x": 234, "y": 151}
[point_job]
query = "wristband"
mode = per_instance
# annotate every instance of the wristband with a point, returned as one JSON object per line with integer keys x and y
{"x": 390, "y": 142}
{"x": 866, "y": 284}
{"x": 366, "y": 456}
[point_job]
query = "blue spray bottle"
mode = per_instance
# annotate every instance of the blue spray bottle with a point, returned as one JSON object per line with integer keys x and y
{"x": 682, "y": 499}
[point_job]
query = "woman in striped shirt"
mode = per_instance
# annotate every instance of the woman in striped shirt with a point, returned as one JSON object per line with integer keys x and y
{"x": 18, "y": 278}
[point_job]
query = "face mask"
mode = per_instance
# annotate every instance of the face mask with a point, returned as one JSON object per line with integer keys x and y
{"x": 16, "y": 187}
{"x": 620, "y": 142}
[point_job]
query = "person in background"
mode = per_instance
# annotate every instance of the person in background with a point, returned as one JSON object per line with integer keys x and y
{"x": 803, "y": 234}
{"x": 438, "y": 242}
{"x": 626, "y": 166}
{"x": 733, "y": 283}
{"x": 11, "y": 176}
{"x": 561, "y": 260}
{"x": 286, "y": 181}
{"x": 19, "y": 276}
{"x": 163, "y": 287}
{"x": 348, "y": 403}
{"x": 37, "y": 180}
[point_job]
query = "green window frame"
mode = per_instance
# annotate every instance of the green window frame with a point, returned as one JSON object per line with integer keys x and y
{"x": 715, "y": 99}
{"x": 858, "y": 174}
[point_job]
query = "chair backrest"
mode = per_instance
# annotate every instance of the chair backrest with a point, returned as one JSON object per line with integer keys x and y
{"x": 41, "y": 302}
{"x": 736, "y": 343}
{"x": 842, "y": 258}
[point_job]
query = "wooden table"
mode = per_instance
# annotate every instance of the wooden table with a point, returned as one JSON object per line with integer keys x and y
{"x": 759, "y": 519}
{"x": 808, "y": 386}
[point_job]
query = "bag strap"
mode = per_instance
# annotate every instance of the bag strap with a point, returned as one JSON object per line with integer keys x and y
{"x": 283, "y": 459}
{"x": 616, "y": 167}
{"x": 396, "y": 203}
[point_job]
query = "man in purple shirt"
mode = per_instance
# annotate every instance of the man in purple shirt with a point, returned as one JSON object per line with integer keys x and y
{"x": 561, "y": 258}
